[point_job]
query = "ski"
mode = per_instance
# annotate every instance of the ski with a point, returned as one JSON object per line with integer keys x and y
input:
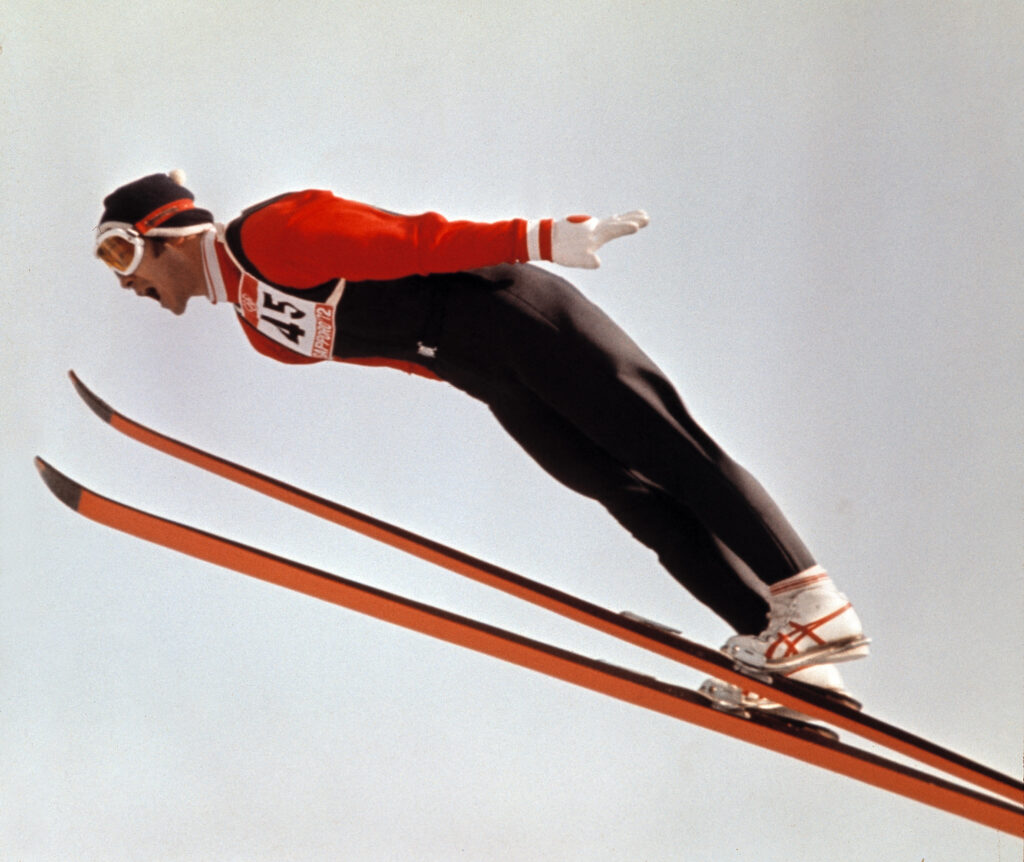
{"x": 555, "y": 662}
{"x": 659, "y": 639}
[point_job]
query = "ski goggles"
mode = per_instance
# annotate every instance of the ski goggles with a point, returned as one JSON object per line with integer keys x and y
{"x": 120, "y": 249}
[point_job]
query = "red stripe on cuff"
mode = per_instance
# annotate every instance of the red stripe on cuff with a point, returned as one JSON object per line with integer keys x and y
{"x": 545, "y": 238}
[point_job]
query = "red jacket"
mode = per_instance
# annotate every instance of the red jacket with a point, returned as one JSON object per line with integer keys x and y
{"x": 310, "y": 239}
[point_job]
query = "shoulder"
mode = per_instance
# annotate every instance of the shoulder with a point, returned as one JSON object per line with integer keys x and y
{"x": 269, "y": 230}
{"x": 297, "y": 239}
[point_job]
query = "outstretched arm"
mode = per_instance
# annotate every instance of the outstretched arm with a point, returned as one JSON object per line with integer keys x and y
{"x": 307, "y": 238}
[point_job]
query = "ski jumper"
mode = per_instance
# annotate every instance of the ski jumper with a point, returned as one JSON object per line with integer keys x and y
{"x": 315, "y": 277}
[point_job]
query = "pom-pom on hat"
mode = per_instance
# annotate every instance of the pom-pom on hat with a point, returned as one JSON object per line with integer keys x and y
{"x": 157, "y": 205}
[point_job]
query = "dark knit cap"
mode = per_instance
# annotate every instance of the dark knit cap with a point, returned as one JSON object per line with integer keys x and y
{"x": 157, "y": 205}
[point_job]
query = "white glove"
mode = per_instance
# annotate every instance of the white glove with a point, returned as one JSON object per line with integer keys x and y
{"x": 574, "y": 241}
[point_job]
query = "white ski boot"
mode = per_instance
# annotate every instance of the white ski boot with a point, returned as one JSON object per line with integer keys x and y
{"x": 809, "y": 623}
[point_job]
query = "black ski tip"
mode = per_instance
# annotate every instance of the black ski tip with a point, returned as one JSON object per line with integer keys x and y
{"x": 66, "y": 490}
{"x": 97, "y": 405}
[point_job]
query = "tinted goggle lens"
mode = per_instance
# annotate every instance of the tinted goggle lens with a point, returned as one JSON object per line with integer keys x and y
{"x": 120, "y": 251}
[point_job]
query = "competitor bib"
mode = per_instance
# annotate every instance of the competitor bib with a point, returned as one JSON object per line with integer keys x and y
{"x": 299, "y": 324}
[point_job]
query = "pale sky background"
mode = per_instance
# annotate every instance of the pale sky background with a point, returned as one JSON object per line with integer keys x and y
{"x": 833, "y": 277}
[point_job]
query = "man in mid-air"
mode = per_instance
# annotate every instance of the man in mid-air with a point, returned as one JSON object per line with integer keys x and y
{"x": 313, "y": 277}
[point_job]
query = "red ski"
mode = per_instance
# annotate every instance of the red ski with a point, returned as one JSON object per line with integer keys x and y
{"x": 561, "y": 664}
{"x": 662, "y": 640}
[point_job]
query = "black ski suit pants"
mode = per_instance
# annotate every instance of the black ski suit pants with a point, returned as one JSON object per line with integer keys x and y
{"x": 591, "y": 409}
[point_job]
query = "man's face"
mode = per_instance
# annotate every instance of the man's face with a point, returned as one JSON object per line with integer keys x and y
{"x": 170, "y": 272}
